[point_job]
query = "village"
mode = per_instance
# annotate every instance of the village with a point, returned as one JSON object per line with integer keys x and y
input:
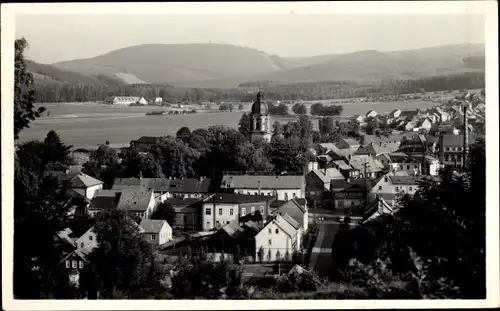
{"x": 289, "y": 218}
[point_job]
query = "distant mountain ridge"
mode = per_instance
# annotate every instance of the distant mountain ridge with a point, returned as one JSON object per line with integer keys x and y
{"x": 227, "y": 66}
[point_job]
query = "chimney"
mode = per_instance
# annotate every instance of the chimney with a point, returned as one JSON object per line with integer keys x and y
{"x": 258, "y": 182}
{"x": 466, "y": 138}
{"x": 324, "y": 171}
{"x": 441, "y": 148}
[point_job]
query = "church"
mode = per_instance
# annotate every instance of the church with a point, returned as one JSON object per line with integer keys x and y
{"x": 260, "y": 121}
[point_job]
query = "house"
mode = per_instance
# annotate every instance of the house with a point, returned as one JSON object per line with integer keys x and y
{"x": 408, "y": 126}
{"x": 434, "y": 118}
{"x": 187, "y": 213}
{"x": 323, "y": 148}
{"x": 139, "y": 201}
{"x": 129, "y": 100}
{"x": 349, "y": 197}
{"x": 164, "y": 188}
{"x": 158, "y": 100}
{"x": 282, "y": 187}
{"x": 233, "y": 236}
{"x": 155, "y": 231}
{"x": 377, "y": 208}
{"x": 444, "y": 116}
{"x": 298, "y": 211}
{"x": 390, "y": 139}
{"x": 85, "y": 185}
{"x": 371, "y": 114}
{"x": 413, "y": 164}
{"x": 452, "y": 149}
{"x": 277, "y": 240}
{"x": 418, "y": 145}
{"x": 74, "y": 263}
{"x": 88, "y": 240}
{"x": 348, "y": 143}
{"x": 79, "y": 183}
{"x": 395, "y": 113}
{"x": 374, "y": 150}
{"x": 318, "y": 181}
{"x": 221, "y": 208}
{"x": 425, "y": 124}
{"x": 366, "y": 164}
{"x": 359, "y": 119}
{"x": 394, "y": 185}
{"x": 144, "y": 143}
{"x": 103, "y": 200}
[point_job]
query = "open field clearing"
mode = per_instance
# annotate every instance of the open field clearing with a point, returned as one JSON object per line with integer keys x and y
{"x": 88, "y": 125}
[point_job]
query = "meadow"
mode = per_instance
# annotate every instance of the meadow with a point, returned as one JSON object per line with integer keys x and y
{"x": 88, "y": 125}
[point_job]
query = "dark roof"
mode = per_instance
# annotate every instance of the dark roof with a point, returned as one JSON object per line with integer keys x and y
{"x": 103, "y": 203}
{"x": 180, "y": 203}
{"x": 232, "y": 229}
{"x": 264, "y": 182}
{"x": 238, "y": 198}
{"x": 189, "y": 185}
{"x": 152, "y": 225}
{"x": 338, "y": 184}
{"x": 408, "y": 113}
{"x": 135, "y": 198}
{"x": 403, "y": 180}
{"x": 457, "y": 140}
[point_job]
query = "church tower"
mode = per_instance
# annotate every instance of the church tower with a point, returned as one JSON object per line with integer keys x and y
{"x": 260, "y": 121}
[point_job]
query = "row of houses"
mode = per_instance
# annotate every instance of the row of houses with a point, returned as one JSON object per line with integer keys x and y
{"x": 132, "y": 100}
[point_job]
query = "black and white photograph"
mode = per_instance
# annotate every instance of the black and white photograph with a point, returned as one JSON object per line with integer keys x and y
{"x": 261, "y": 151}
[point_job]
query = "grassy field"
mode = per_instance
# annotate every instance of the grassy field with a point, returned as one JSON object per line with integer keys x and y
{"x": 88, "y": 125}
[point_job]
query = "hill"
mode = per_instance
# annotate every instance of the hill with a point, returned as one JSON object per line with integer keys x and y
{"x": 51, "y": 75}
{"x": 226, "y": 66}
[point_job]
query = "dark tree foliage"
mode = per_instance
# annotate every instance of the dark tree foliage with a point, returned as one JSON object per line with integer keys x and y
{"x": 326, "y": 126}
{"x": 165, "y": 211}
{"x": 122, "y": 262}
{"x": 322, "y": 110}
{"x": 24, "y": 93}
{"x": 299, "y": 109}
{"x": 55, "y": 149}
{"x": 183, "y": 134}
{"x": 436, "y": 226}
{"x": 244, "y": 125}
{"x": 280, "y": 110}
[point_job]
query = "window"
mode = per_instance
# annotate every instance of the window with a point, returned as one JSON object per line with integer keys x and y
{"x": 256, "y": 193}
{"x": 407, "y": 167}
{"x": 243, "y": 211}
{"x": 220, "y": 211}
{"x": 277, "y": 231}
{"x": 230, "y": 212}
{"x": 252, "y": 210}
{"x": 270, "y": 242}
{"x": 386, "y": 179}
{"x": 80, "y": 264}
{"x": 217, "y": 224}
{"x": 73, "y": 264}
{"x": 411, "y": 188}
{"x": 293, "y": 195}
{"x": 262, "y": 210}
{"x": 397, "y": 189}
{"x": 379, "y": 187}
{"x": 153, "y": 236}
{"x": 91, "y": 238}
{"x": 67, "y": 264}
{"x": 286, "y": 196}
{"x": 81, "y": 244}
{"x": 270, "y": 230}
{"x": 208, "y": 211}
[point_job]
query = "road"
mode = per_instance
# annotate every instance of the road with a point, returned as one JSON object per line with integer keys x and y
{"x": 321, "y": 256}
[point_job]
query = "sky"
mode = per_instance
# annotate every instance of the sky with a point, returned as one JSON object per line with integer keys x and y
{"x": 54, "y": 38}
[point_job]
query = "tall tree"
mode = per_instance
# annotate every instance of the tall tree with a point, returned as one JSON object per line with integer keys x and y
{"x": 55, "y": 150}
{"x": 244, "y": 125}
{"x": 122, "y": 261}
{"x": 24, "y": 92}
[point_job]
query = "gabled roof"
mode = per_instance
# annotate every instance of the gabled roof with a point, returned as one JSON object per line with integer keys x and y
{"x": 236, "y": 198}
{"x": 328, "y": 146}
{"x": 331, "y": 173}
{"x": 377, "y": 207}
{"x": 291, "y": 221}
{"x": 233, "y": 229}
{"x": 284, "y": 225}
{"x": 82, "y": 252}
{"x": 104, "y": 200}
{"x": 152, "y": 225}
{"x": 372, "y": 165}
{"x": 350, "y": 142}
{"x": 84, "y": 181}
{"x": 135, "y": 198}
{"x": 403, "y": 180}
{"x": 189, "y": 185}
{"x": 264, "y": 182}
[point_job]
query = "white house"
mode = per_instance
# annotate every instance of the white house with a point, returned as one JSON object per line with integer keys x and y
{"x": 393, "y": 185}
{"x": 395, "y": 114}
{"x": 128, "y": 100}
{"x": 155, "y": 231}
{"x": 277, "y": 239}
{"x": 88, "y": 240}
{"x": 282, "y": 187}
{"x": 158, "y": 100}
{"x": 73, "y": 263}
{"x": 220, "y": 209}
{"x": 299, "y": 212}
{"x": 85, "y": 185}
{"x": 371, "y": 114}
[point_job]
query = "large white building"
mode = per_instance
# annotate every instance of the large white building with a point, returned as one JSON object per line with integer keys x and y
{"x": 128, "y": 100}
{"x": 390, "y": 186}
{"x": 278, "y": 239}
